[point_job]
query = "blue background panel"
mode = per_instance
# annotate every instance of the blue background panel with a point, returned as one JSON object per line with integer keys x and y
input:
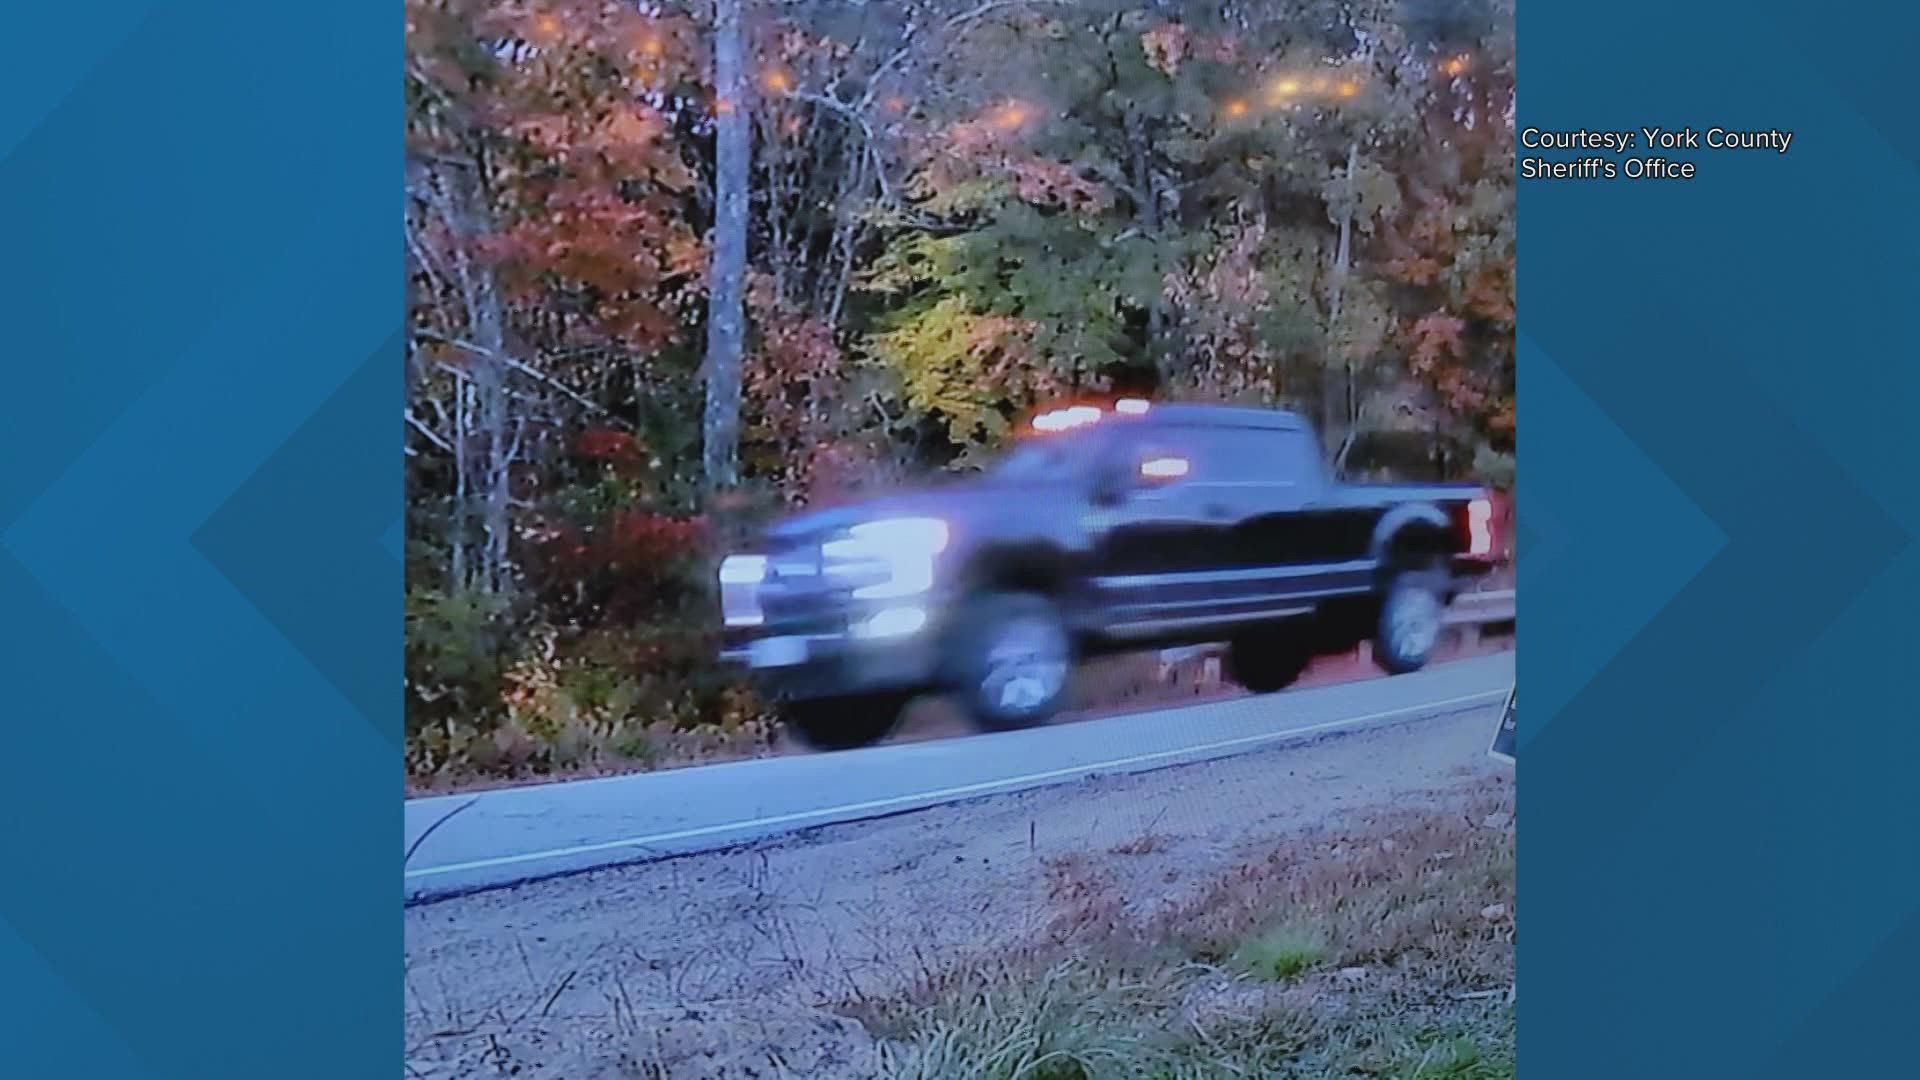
{"x": 1718, "y": 846}
{"x": 201, "y": 632}
{"x": 200, "y": 614}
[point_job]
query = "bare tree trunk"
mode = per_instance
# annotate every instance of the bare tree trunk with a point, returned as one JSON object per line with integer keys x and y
{"x": 460, "y": 195}
{"x": 1342, "y": 264}
{"x": 846, "y": 233}
{"x": 726, "y": 316}
{"x": 1147, "y": 215}
{"x": 490, "y": 395}
{"x": 458, "y": 568}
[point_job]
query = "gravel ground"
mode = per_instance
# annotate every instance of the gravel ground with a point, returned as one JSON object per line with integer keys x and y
{"x": 740, "y": 963}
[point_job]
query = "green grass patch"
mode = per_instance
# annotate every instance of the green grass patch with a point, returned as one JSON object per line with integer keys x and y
{"x": 1280, "y": 953}
{"x": 1381, "y": 953}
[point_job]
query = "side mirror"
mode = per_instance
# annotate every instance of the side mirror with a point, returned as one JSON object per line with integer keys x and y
{"x": 1116, "y": 483}
{"x": 1164, "y": 469}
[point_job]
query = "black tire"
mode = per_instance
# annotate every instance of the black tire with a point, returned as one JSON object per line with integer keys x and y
{"x": 843, "y": 723}
{"x": 999, "y": 690}
{"x": 1266, "y": 661}
{"x": 1412, "y": 612}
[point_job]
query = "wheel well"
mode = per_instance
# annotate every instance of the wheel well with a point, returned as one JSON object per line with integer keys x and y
{"x": 1042, "y": 571}
{"x": 1416, "y": 545}
{"x": 1020, "y": 570}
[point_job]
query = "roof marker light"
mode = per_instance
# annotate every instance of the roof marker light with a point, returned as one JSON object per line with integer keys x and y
{"x": 1063, "y": 419}
{"x": 1130, "y": 406}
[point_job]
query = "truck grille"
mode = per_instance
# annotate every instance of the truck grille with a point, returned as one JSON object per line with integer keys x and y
{"x": 796, "y": 598}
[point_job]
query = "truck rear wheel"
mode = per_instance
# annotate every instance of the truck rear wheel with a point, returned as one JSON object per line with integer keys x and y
{"x": 1012, "y": 659}
{"x": 843, "y": 723}
{"x": 1411, "y": 615}
{"x": 1267, "y": 660}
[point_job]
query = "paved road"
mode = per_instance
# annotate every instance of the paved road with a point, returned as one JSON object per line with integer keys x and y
{"x": 520, "y": 834}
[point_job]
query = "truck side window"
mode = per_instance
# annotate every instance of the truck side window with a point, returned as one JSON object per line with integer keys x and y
{"x": 1245, "y": 456}
{"x": 1300, "y": 460}
{"x": 1267, "y": 457}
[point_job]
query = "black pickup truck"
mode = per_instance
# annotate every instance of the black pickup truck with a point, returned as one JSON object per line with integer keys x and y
{"x": 1103, "y": 530}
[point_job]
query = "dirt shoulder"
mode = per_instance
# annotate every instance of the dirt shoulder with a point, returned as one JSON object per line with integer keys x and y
{"x": 756, "y": 962}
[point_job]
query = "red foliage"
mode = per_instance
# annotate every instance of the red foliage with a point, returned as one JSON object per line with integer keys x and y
{"x": 605, "y": 444}
{"x": 792, "y": 382}
{"x": 1050, "y": 183}
{"x": 632, "y": 565}
{"x": 1463, "y": 345}
{"x": 582, "y": 207}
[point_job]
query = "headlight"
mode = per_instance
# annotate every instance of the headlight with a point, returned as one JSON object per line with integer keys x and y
{"x": 743, "y": 569}
{"x": 740, "y": 578}
{"x": 887, "y": 558}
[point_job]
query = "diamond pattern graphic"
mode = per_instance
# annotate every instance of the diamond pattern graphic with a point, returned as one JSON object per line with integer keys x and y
{"x": 1669, "y": 537}
{"x": 287, "y": 545}
{"x": 1717, "y": 852}
{"x": 34, "y": 81}
{"x": 203, "y": 257}
{"x": 394, "y": 540}
{"x": 200, "y": 547}
{"x": 55, "y": 1006}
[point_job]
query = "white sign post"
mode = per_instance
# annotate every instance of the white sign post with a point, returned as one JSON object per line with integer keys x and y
{"x": 1503, "y": 736}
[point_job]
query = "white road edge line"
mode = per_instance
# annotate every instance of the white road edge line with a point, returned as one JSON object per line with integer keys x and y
{"x": 850, "y": 812}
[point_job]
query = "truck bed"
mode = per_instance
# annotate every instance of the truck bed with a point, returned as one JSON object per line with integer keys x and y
{"x": 1392, "y": 494}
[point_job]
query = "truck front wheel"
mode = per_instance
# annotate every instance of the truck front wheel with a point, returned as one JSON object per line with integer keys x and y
{"x": 1012, "y": 656}
{"x": 1410, "y": 619}
{"x": 843, "y": 723}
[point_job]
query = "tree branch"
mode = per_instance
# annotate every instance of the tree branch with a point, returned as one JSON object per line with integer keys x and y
{"x": 869, "y": 143}
{"x": 428, "y": 433}
{"x": 955, "y": 22}
{"x": 524, "y": 369}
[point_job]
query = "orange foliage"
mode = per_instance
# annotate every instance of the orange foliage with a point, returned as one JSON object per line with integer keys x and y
{"x": 1490, "y": 294}
{"x": 1166, "y": 48}
{"x": 1436, "y": 337}
{"x": 1051, "y": 183}
{"x": 791, "y": 381}
{"x": 581, "y": 207}
{"x": 1463, "y": 345}
{"x": 1438, "y": 353}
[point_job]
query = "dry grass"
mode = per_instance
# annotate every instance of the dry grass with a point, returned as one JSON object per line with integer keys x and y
{"x": 1104, "y": 685}
{"x": 1383, "y": 951}
{"x": 1433, "y": 892}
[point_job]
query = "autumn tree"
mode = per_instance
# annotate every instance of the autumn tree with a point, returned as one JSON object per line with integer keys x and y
{"x": 1450, "y": 254}
{"x": 1162, "y": 194}
{"x": 673, "y": 259}
{"x": 549, "y": 254}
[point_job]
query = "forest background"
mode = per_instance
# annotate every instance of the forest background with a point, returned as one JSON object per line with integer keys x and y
{"x": 675, "y": 267}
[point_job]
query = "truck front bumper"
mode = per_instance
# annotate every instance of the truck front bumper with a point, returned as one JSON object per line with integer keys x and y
{"x": 815, "y": 665}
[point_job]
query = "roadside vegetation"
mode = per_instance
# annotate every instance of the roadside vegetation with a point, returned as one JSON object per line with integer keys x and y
{"x": 954, "y": 212}
{"x": 1361, "y": 926}
{"x": 1386, "y": 953}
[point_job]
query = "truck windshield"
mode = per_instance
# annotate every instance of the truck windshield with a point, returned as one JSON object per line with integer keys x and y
{"x": 1046, "y": 457}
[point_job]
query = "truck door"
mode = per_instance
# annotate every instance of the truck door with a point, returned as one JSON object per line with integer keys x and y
{"x": 1161, "y": 532}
